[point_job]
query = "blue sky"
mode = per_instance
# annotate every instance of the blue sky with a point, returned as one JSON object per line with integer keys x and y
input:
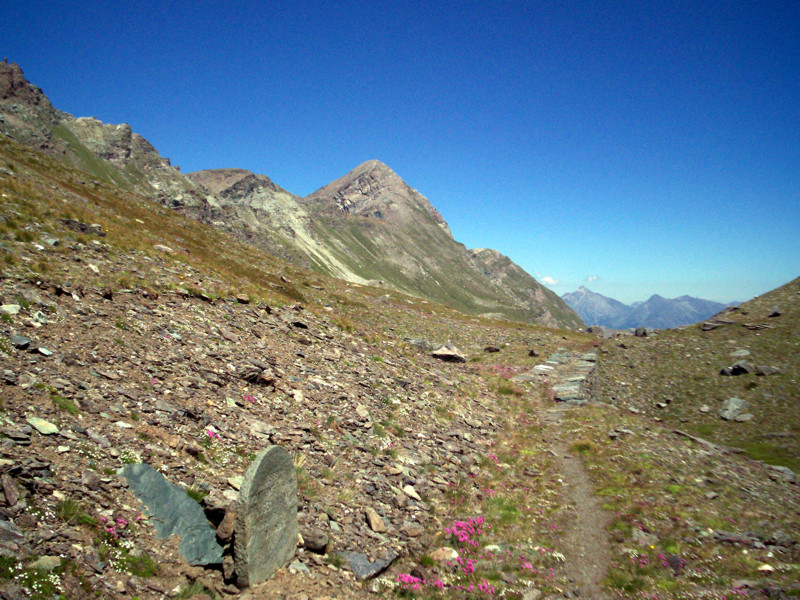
{"x": 633, "y": 147}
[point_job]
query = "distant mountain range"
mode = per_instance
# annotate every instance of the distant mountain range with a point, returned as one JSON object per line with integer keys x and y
{"x": 367, "y": 227}
{"x": 656, "y": 312}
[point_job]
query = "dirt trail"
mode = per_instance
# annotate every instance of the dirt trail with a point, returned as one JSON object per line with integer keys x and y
{"x": 586, "y": 545}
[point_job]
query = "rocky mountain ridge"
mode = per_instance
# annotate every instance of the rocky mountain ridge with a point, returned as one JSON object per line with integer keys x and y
{"x": 656, "y": 312}
{"x": 367, "y": 227}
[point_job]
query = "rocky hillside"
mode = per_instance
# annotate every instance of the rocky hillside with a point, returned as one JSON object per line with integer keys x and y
{"x": 390, "y": 235}
{"x": 110, "y": 153}
{"x": 134, "y": 338}
{"x": 525, "y": 290}
{"x": 368, "y": 227}
{"x": 656, "y": 312}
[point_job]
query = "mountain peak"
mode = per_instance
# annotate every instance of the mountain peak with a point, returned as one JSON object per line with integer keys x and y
{"x": 373, "y": 189}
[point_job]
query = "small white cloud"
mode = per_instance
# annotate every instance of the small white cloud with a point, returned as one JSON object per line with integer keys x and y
{"x": 549, "y": 280}
{"x": 591, "y": 278}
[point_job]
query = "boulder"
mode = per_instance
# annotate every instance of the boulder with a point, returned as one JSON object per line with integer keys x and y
{"x": 732, "y": 407}
{"x": 449, "y": 353}
{"x": 266, "y": 517}
{"x": 741, "y": 367}
{"x": 763, "y": 370}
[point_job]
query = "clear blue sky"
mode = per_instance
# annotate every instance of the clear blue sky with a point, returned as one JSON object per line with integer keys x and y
{"x": 654, "y": 146}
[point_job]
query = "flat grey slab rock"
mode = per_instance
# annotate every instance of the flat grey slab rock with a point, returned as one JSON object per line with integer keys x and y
{"x": 363, "y": 568}
{"x": 174, "y": 513}
{"x": 266, "y": 517}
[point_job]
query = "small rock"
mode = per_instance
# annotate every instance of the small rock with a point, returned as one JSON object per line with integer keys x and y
{"x": 766, "y": 568}
{"x": 644, "y": 539}
{"x": 374, "y": 520}
{"x": 784, "y": 473}
{"x": 20, "y": 342}
{"x": 10, "y": 490}
{"x": 42, "y": 426}
{"x": 412, "y": 529}
{"x": 741, "y": 367}
{"x": 46, "y": 563}
{"x": 363, "y": 568}
{"x": 444, "y": 553}
{"x": 316, "y": 541}
{"x": 409, "y": 491}
{"x": 774, "y": 312}
{"x": 299, "y": 567}
{"x": 10, "y": 309}
{"x": 763, "y": 370}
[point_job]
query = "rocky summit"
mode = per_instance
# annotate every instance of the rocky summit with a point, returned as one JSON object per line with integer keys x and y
{"x": 367, "y": 227}
{"x": 187, "y": 415}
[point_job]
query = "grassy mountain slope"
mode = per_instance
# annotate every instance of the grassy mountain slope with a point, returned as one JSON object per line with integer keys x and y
{"x": 681, "y": 369}
{"x": 390, "y": 234}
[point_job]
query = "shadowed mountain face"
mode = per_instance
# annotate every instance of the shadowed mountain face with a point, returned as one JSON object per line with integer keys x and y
{"x": 367, "y": 227}
{"x": 657, "y": 312}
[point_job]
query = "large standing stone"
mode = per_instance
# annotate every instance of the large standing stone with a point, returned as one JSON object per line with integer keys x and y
{"x": 266, "y": 517}
{"x": 174, "y": 513}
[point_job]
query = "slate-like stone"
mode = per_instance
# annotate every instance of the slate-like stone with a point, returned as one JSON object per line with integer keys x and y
{"x": 42, "y": 426}
{"x": 785, "y": 472}
{"x": 20, "y": 342}
{"x": 266, "y": 517}
{"x": 10, "y": 309}
{"x": 10, "y": 532}
{"x": 364, "y": 569}
{"x": 763, "y": 370}
{"x": 174, "y": 513}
